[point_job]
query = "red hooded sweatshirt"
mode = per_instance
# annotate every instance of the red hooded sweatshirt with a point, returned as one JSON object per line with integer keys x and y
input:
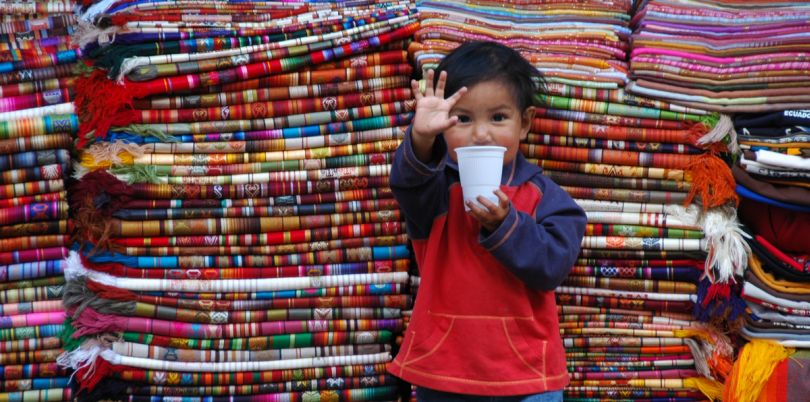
{"x": 485, "y": 320}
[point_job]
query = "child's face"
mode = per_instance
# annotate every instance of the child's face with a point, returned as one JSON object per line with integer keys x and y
{"x": 488, "y": 115}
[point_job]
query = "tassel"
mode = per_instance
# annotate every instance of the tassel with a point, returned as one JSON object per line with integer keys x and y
{"x": 712, "y": 389}
{"x": 79, "y": 297}
{"x": 711, "y": 349}
{"x": 146, "y": 130}
{"x": 74, "y": 269}
{"x": 89, "y": 380}
{"x": 110, "y": 292}
{"x": 79, "y": 171}
{"x": 82, "y": 357}
{"x": 137, "y": 174}
{"x": 87, "y": 33}
{"x": 101, "y": 104}
{"x": 718, "y": 131}
{"x": 711, "y": 181}
{"x": 89, "y": 322}
{"x": 76, "y": 295}
{"x": 722, "y": 132}
{"x": 92, "y": 226}
{"x": 699, "y": 355}
{"x": 716, "y": 306}
{"x": 696, "y": 132}
{"x": 102, "y": 190}
{"x": 70, "y": 342}
{"x": 728, "y": 251}
{"x": 753, "y": 369}
{"x": 128, "y": 65}
{"x": 92, "y": 12}
{"x": 105, "y": 154}
{"x": 689, "y": 214}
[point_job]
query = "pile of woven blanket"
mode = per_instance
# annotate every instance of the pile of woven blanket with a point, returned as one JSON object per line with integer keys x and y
{"x": 569, "y": 41}
{"x": 238, "y": 237}
{"x": 772, "y": 175}
{"x": 38, "y": 63}
{"x": 722, "y": 55}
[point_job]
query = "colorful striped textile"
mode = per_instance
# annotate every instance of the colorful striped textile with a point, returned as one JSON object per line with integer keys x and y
{"x": 727, "y": 57}
{"x": 772, "y": 175}
{"x": 38, "y": 61}
{"x": 237, "y": 237}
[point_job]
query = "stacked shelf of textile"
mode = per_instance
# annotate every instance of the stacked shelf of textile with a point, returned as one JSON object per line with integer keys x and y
{"x": 626, "y": 310}
{"x": 722, "y": 55}
{"x": 569, "y": 41}
{"x": 240, "y": 237}
{"x": 773, "y": 181}
{"x": 37, "y": 69}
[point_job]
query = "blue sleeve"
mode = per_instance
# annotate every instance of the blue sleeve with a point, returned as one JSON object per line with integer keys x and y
{"x": 540, "y": 249}
{"x": 419, "y": 188}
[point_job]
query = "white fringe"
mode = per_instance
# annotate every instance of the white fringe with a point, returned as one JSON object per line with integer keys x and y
{"x": 723, "y": 127}
{"x": 108, "y": 151}
{"x": 84, "y": 356}
{"x": 74, "y": 268}
{"x": 689, "y": 215}
{"x": 729, "y": 252}
{"x": 87, "y": 33}
{"x": 95, "y": 10}
{"x": 78, "y": 170}
{"x": 129, "y": 64}
{"x": 700, "y": 357}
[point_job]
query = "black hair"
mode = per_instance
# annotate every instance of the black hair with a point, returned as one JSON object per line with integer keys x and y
{"x": 480, "y": 61}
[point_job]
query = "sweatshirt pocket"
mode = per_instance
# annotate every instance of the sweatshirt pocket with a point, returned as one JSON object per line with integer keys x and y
{"x": 427, "y": 340}
{"x": 479, "y": 348}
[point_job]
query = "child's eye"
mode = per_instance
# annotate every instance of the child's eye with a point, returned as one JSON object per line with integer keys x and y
{"x": 463, "y": 119}
{"x": 499, "y": 117}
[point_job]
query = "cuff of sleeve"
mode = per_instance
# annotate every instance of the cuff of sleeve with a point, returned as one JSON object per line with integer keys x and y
{"x": 438, "y": 159}
{"x": 495, "y": 239}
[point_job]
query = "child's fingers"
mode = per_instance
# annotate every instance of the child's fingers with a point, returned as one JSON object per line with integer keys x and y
{"x": 503, "y": 199}
{"x": 452, "y": 121}
{"x": 490, "y": 206}
{"x": 456, "y": 96}
{"x": 440, "y": 84}
{"x": 429, "y": 83}
{"x": 417, "y": 94}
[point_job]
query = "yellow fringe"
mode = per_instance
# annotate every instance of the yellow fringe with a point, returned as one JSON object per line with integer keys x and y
{"x": 712, "y": 389}
{"x": 753, "y": 368}
{"x": 92, "y": 163}
{"x": 693, "y": 333}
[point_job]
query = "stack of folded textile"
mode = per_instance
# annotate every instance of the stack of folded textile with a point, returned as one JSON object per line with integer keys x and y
{"x": 723, "y": 55}
{"x": 773, "y": 181}
{"x": 37, "y": 68}
{"x": 626, "y": 310}
{"x": 239, "y": 234}
{"x": 569, "y": 41}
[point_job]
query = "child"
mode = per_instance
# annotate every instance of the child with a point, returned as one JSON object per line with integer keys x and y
{"x": 485, "y": 321}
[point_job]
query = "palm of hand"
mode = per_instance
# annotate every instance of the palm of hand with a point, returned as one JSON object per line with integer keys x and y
{"x": 433, "y": 115}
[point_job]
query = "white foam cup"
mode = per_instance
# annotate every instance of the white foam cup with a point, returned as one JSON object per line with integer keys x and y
{"x": 480, "y": 170}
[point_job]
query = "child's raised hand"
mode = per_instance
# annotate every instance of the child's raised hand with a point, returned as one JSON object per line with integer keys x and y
{"x": 432, "y": 110}
{"x": 492, "y": 215}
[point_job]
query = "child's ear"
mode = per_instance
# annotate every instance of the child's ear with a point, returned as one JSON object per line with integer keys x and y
{"x": 526, "y": 122}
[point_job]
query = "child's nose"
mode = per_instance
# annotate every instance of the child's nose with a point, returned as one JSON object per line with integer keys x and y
{"x": 480, "y": 134}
